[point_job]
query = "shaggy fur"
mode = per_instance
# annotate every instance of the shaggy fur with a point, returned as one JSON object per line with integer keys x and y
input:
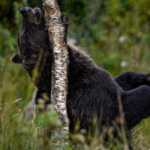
{"x": 92, "y": 90}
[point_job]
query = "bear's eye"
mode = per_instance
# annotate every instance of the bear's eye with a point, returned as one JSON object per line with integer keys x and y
{"x": 38, "y": 18}
{"x": 27, "y": 33}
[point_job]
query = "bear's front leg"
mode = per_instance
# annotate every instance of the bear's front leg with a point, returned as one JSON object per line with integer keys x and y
{"x": 39, "y": 97}
{"x": 29, "y": 110}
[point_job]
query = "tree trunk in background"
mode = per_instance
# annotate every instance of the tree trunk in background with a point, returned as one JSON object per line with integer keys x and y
{"x": 57, "y": 27}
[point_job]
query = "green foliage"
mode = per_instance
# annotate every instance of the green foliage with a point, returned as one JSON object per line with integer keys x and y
{"x": 116, "y": 33}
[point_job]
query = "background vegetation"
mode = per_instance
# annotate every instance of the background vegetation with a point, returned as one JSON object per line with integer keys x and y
{"x": 116, "y": 33}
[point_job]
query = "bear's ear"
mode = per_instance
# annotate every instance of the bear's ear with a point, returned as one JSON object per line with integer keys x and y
{"x": 16, "y": 59}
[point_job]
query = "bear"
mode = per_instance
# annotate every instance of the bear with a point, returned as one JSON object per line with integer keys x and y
{"x": 92, "y": 91}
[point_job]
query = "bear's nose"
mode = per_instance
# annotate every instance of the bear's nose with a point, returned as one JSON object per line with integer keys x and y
{"x": 24, "y": 10}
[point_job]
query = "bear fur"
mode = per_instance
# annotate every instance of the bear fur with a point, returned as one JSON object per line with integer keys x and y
{"x": 92, "y": 91}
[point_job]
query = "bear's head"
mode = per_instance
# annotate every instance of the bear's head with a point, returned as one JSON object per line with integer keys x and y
{"x": 32, "y": 38}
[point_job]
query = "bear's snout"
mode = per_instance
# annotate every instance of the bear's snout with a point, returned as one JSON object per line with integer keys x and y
{"x": 24, "y": 11}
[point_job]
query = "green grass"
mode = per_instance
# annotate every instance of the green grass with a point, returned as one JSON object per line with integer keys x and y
{"x": 17, "y": 132}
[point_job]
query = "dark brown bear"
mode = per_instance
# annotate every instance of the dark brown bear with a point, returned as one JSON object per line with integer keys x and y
{"x": 92, "y": 90}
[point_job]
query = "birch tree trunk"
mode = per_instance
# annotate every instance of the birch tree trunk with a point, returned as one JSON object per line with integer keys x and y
{"x": 57, "y": 27}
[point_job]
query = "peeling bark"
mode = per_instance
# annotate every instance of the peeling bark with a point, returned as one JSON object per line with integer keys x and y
{"x": 57, "y": 27}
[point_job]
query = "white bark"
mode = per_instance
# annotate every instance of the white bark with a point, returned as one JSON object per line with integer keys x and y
{"x": 57, "y": 28}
